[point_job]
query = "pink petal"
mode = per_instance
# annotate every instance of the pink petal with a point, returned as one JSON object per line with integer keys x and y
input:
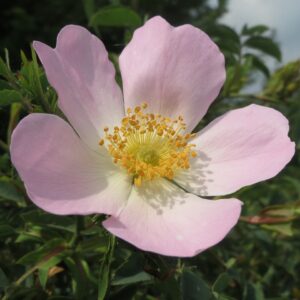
{"x": 61, "y": 174}
{"x": 161, "y": 218}
{"x": 79, "y": 70}
{"x": 240, "y": 148}
{"x": 177, "y": 71}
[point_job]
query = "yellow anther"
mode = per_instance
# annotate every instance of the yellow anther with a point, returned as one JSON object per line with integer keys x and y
{"x": 138, "y": 181}
{"x": 137, "y": 109}
{"x": 193, "y": 154}
{"x": 125, "y": 121}
{"x": 149, "y": 145}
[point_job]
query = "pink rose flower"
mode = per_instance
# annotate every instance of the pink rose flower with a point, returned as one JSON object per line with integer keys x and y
{"x": 131, "y": 156}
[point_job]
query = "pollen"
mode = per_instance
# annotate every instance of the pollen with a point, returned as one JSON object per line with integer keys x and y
{"x": 149, "y": 145}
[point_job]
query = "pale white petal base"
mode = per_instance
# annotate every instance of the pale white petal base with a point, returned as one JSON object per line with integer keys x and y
{"x": 161, "y": 218}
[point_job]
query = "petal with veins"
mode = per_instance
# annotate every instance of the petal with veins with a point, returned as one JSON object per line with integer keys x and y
{"x": 61, "y": 174}
{"x": 160, "y": 217}
{"x": 79, "y": 70}
{"x": 242, "y": 147}
{"x": 177, "y": 71}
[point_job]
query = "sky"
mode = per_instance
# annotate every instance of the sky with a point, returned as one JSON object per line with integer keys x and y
{"x": 281, "y": 15}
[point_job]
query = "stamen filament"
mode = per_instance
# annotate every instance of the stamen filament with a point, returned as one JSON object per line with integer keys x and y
{"x": 148, "y": 145}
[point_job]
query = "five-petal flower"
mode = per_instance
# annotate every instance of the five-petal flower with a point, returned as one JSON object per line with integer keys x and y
{"x": 148, "y": 171}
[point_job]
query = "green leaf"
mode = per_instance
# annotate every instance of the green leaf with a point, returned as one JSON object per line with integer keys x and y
{"x": 4, "y": 85}
{"x": 60, "y": 298}
{"x": 44, "y": 268}
{"x": 41, "y": 218}
{"x": 79, "y": 276}
{"x": 6, "y": 230}
{"x": 265, "y": 45}
{"x": 221, "y": 283}
{"x": 284, "y": 228}
{"x": 8, "y": 97}
{"x": 44, "y": 253}
{"x": 105, "y": 271}
{"x": 254, "y": 30}
{"x": 89, "y": 7}
{"x": 259, "y": 64}
{"x": 228, "y": 46}
{"x": 4, "y": 70}
{"x": 8, "y": 190}
{"x": 14, "y": 116}
{"x": 253, "y": 292}
{"x": 224, "y": 32}
{"x": 3, "y": 280}
{"x": 36, "y": 78}
{"x": 95, "y": 244}
{"x": 29, "y": 237}
{"x": 139, "y": 277}
{"x": 116, "y": 16}
{"x": 193, "y": 287}
{"x": 226, "y": 38}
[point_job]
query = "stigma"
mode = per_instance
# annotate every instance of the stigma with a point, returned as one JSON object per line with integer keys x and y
{"x": 149, "y": 145}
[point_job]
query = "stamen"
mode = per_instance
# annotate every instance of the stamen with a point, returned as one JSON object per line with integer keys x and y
{"x": 149, "y": 145}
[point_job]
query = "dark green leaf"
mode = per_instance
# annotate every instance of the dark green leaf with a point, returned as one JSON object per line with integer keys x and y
{"x": 139, "y": 277}
{"x": 254, "y": 292}
{"x": 265, "y": 45}
{"x": 284, "y": 228}
{"x": 44, "y": 268}
{"x": 221, "y": 283}
{"x": 6, "y": 230}
{"x": 60, "y": 298}
{"x": 3, "y": 280}
{"x": 44, "y": 253}
{"x": 254, "y": 30}
{"x": 259, "y": 64}
{"x": 4, "y": 70}
{"x": 97, "y": 244}
{"x": 38, "y": 217}
{"x": 89, "y": 7}
{"x": 224, "y": 32}
{"x": 4, "y": 85}
{"x": 105, "y": 272}
{"x": 79, "y": 277}
{"x": 8, "y": 190}
{"x": 193, "y": 287}
{"x": 8, "y": 97}
{"x": 116, "y": 16}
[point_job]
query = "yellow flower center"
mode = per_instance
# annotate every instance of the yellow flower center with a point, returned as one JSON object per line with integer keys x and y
{"x": 149, "y": 145}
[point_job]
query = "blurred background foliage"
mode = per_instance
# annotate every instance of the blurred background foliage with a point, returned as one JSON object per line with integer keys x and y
{"x": 44, "y": 256}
